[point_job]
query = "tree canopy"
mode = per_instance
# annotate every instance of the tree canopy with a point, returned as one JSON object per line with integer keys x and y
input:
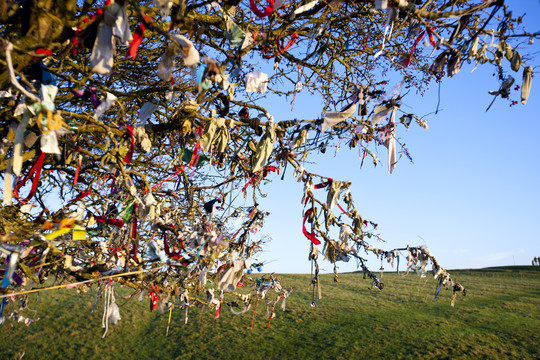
{"x": 136, "y": 141}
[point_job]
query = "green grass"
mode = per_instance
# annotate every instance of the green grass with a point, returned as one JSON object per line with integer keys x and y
{"x": 499, "y": 318}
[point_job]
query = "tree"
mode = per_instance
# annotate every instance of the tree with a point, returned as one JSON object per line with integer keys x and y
{"x": 151, "y": 128}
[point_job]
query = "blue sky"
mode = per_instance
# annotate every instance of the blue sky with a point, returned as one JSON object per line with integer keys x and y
{"x": 472, "y": 194}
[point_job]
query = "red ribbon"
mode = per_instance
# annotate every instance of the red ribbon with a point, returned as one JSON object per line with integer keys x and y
{"x": 346, "y": 213}
{"x": 36, "y": 168}
{"x": 265, "y": 174}
{"x": 323, "y": 184}
{"x": 116, "y": 222}
{"x": 129, "y": 135}
{"x": 137, "y": 39}
{"x": 431, "y": 40}
{"x": 281, "y": 49}
{"x": 41, "y": 51}
{"x": 268, "y": 169}
{"x": 134, "y": 225}
{"x": 153, "y": 298}
{"x": 171, "y": 255}
{"x": 252, "y": 212}
{"x": 195, "y": 156}
{"x": 178, "y": 171}
{"x": 251, "y": 181}
{"x": 311, "y": 236}
{"x": 431, "y": 36}
{"x": 134, "y": 251}
{"x": 269, "y": 9}
{"x": 219, "y": 308}
{"x": 80, "y": 196}
{"x": 79, "y": 163}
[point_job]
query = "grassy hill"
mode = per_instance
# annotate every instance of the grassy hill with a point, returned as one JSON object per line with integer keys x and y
{"x": 499, "y": 318}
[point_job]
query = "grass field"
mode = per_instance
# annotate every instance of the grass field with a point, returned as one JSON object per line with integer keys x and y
{"x": 499, "y": 318}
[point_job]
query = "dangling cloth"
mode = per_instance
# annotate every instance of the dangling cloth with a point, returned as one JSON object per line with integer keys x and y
{"x": 164, "y": 7}
{"x": 13, "y": 253}
{"x": 440, "y": 62}
{"x": 111, "y": 312}
{"x": 171, "y": 255}
{"x": 209, "y": 207}
{"x": 473, "y": 49}
{"x": 264, "y": 147}
{"x": 146, "y": 111}
{"x": 19, "y": 141}
{"x": 262, "y": 14}
{"x": 526, "y": 86}
{"x": 115, "y": 25}
{"x": 280, "y": 48}
{"x": 306, "y": 7}
{"x": 167, "y": 62}
{"x": 190, "y": 54}
{"x": 333, "y": 118}
{"x": 454, "y": 64}
{"x": 8, "y": 184}
{"x": 432, "y": 41}
{"x": 129, "y": 135}
{"x": 45, "y": 123}
{"x": 137, "y": 39}
{"x": 233, "y": 33}
{"x": 515, "y": 63}
{"x": 88, "y": 94}
{"x": 110, "y": 221}
{"x": 139, "y": 35}
{"x": 216, "y": 133}
{"x": 391, "y": 143}
{"x": 229, "y": 278}
{"x": 311, "y": 236}
{"x": 105, "y": 105}
{"x": 256, "y": 81}
{"x": 333, "y": 193}
{"x": 379, "y": 53}
{"x": 36, "y": 171}
{"x": 460, "y": 26}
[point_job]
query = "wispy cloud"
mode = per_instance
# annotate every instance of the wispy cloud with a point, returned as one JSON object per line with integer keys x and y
{"x": 494, "y": 259}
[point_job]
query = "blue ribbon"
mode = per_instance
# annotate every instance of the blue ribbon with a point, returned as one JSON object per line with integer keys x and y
{"x": 437, "y": 289}
{"x": 4, "y": 302}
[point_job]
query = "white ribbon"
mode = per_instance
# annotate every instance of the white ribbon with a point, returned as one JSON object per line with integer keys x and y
{"x": 333, "y": 118}
{"x": 105, "y": 105}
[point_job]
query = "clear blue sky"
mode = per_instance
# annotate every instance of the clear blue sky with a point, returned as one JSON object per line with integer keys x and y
{"x": 472, "y": 193}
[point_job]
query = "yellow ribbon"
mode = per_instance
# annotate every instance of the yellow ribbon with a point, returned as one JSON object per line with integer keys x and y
{"x": 169, "y": 323}
{"x": 50, "y": 125}
{"x": 79, "y": 233}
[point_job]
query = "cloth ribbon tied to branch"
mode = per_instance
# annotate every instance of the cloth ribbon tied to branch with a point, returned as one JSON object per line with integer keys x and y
{"x": 280, "y": 48}
{"x": 267, "y": 11}
{"x": 36, "y": 171}
{"x": 310, "y": 235}
{"x": 138, "y": 36}
{"x": 264, "y": 147}
{"x": 334, "y": 118}
{"x": 129, "y": 135}
{"x": 405, "y": 62}
{"x": 113, "y": 27}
